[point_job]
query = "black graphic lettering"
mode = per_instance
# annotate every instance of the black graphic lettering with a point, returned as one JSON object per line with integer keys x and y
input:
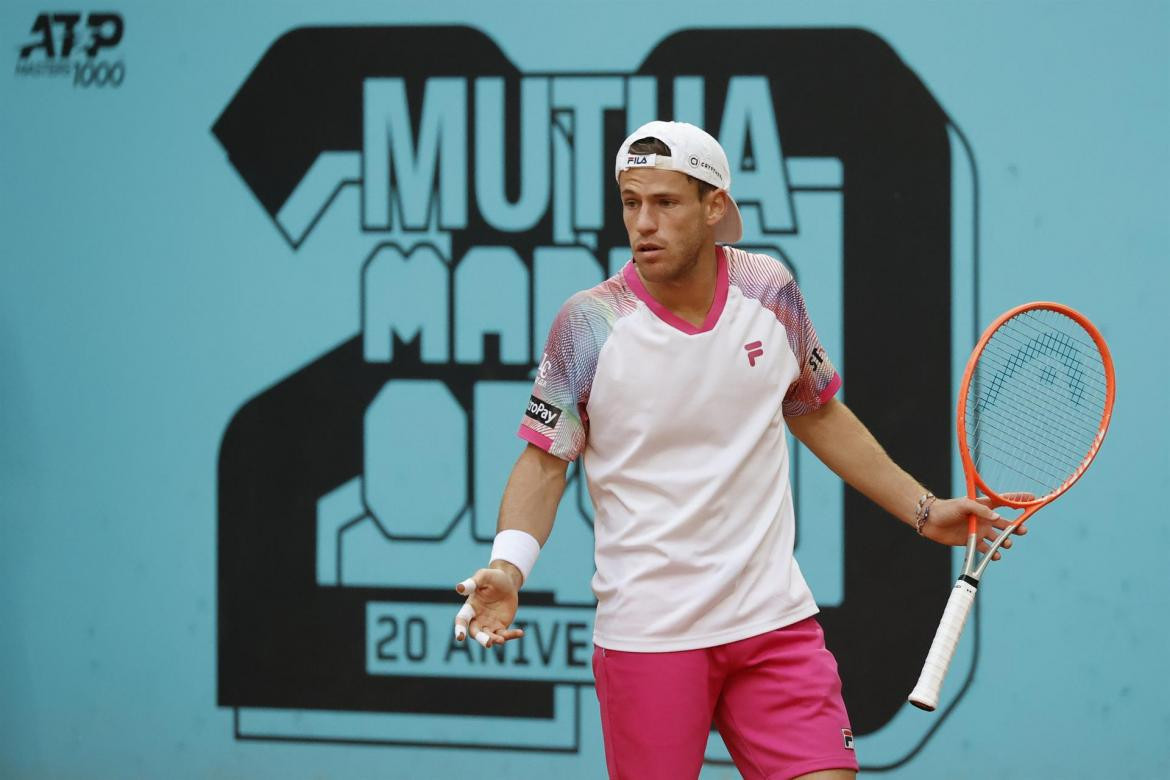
{"x": 42, "y": 26}
{"x": 68, "y": 23}
{"x": 105, "y": 32}
{"x": 391, "y": 624}
{"x": 575, "y": 644}
{"x": 546, "y": 653}
{"x": 521, "y": 656}
{"x": 57, "y": 39}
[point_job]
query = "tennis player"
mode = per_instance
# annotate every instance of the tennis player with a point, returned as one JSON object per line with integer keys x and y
{"x": 674, "y": 380}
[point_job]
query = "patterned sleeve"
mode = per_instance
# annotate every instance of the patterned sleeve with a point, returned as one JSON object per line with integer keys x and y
{"x": 818, "y": 380}
{"x": 555, "y": 419}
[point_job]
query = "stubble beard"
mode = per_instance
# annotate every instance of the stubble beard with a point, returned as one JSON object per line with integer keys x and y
{"x": 676, "y": 271}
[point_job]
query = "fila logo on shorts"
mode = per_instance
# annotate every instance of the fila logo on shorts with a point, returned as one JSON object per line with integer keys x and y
{"x": 678, "y": 433}
{"x": 847, "y": 738}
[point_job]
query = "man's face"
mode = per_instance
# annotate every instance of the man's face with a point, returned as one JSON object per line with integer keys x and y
{"x": 667, "y": 221}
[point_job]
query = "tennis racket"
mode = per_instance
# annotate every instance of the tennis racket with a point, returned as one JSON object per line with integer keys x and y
{"x": 1034, "y": 405}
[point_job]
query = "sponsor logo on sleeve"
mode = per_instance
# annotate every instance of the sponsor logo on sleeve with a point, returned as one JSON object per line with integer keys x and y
{"x": 542, "y": 372}
{"x": 543, "y": 412}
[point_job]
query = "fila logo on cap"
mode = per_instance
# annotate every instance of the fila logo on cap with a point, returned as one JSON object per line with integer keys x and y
{"x": 641, "y": 160}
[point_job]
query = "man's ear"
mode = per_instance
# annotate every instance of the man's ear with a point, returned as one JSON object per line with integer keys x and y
{"x": 715, "y": 206}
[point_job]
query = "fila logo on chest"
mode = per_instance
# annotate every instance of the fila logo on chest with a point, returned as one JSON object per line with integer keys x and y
{"x": 754, "y": 350}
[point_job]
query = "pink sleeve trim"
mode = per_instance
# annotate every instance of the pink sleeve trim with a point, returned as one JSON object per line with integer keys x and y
{"x": 532, "y": 437}
{"x": 830, "y": 389}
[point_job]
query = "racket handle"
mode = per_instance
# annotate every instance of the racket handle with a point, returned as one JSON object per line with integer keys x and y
{"x": 942, "y": 649}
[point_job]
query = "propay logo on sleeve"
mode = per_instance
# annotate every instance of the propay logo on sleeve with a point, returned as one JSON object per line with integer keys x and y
{"x": 543, "y": 412}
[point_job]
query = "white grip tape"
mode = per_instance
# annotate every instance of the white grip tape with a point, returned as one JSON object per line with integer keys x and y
{"x": 942, "y": 649}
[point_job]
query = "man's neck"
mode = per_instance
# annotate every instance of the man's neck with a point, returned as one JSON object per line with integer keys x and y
{"x": 689, "y": 297}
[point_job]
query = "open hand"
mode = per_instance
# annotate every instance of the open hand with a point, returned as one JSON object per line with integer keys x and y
{"x": 493, "y": 596}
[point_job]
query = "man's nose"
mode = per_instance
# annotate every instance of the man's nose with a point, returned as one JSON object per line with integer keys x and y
{"x": 646, "y": 222}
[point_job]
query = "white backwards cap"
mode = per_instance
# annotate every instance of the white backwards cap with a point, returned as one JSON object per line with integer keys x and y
{"x": 694, "y": 152}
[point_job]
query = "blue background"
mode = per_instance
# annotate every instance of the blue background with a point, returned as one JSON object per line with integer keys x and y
{"x": 144, "y": 294}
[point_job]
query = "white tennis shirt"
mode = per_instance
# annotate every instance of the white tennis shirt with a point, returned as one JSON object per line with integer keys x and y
{"x": 682, "y": 433}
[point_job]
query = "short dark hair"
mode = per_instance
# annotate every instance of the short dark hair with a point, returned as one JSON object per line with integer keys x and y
{"x": 651, "y": 145}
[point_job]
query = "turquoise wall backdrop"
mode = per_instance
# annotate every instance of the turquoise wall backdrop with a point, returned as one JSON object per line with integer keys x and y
{"x": 275, "y": 279}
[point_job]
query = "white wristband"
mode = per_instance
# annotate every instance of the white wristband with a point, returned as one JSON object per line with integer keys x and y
{"x": 518, "y": 548}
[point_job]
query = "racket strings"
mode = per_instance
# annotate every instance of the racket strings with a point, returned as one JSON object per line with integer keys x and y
{"x": 1040, "y": 475}
{"x": 1012, "y": 454}
{"x": 1025, "y": 429}
{"x": 1026, "y": 477}
{"x": 1035, "y": 418}
{"x": 1025, "y": 432}
{"x": 1035, "y": 403}
{"x": 1027, "y": 414}
{"x": 1095, "y": 392}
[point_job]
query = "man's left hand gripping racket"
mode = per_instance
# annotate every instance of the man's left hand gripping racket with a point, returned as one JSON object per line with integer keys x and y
{"x": 1034, "y": 405}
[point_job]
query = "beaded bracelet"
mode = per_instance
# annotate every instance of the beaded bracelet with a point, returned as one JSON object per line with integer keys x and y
{"x": 922, "y": 513}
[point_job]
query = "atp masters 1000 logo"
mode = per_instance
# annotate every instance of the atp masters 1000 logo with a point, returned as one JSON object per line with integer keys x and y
{"x": 356, "y": 490}
{"x": 75, "y": 45}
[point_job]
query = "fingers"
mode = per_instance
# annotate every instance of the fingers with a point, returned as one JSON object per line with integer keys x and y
{"x": 475, "y": 630}
{"x": 990, "y": 535}
{"x": 998, "y": 521}
{"x": 466, "y": 624}
{"x": 492, "y": 637}
{"x": 983, "y": 510}
{"x": 465, "y": 615}
{"x": 1003, "y": 498}
{"x": 983, "y": 547}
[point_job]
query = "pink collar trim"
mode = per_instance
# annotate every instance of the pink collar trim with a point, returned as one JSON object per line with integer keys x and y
{"x": 670, "y": 318}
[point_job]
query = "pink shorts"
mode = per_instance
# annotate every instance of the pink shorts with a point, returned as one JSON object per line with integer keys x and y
{"x": 775, "y": 698}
